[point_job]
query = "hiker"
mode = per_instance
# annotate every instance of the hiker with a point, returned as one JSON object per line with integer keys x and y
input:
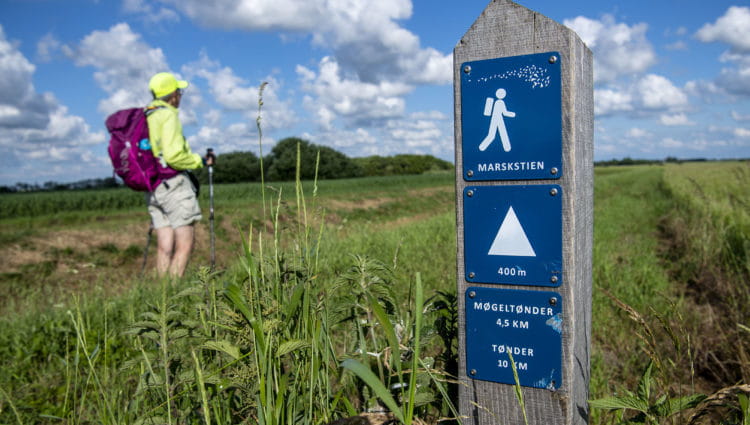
{"x": 173, "y": 205}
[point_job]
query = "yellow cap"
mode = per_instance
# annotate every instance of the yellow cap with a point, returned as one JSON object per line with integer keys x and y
{"x": 165, "y": 83}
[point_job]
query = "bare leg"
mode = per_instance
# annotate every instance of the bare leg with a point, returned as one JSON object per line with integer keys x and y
{"x": 165, "y": 237}
{"x": 183, "y": 245}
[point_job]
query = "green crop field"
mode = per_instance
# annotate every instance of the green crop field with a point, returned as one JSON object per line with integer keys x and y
{"x": 329, "y": 293}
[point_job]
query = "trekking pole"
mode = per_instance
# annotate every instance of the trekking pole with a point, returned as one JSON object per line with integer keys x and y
{"x": 210, "y": 154}
{"x": 145, "y": 250}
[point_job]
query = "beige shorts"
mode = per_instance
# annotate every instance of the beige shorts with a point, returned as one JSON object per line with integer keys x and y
{"x": 174, "y": 203}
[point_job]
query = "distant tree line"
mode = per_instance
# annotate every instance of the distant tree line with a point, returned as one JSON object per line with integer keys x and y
{"x": 279, "y": 165}
{"x": 50, "y": 186}
{"x": 669, "y": 159}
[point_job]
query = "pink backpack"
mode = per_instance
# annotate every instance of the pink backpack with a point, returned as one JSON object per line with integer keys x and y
{"x": 130, "y": 150}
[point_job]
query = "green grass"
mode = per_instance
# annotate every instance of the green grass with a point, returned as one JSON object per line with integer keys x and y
{"x": 300, "y": 300}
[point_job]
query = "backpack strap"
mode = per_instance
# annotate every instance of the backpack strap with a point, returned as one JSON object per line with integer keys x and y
{"x": 148, "y": 110}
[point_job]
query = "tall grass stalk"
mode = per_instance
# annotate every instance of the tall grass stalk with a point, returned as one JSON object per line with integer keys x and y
{"x": 404, "y": 412}
{"x": 202, "y": 388}
{"x": 260, "y": 145}
{"x": 102, "y": 395}
{"x": 286, "y": 309}
{"x": 517, "y": 389}
{"x": 12, "y": 406}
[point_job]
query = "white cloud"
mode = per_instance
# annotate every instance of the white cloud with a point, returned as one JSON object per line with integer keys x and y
{"x": 151, "y": 13}
{"x": 429, "y": 115}
{"x": 364, "y": 34}
{"x": 677, "y": 46}
{"x": 618, "y": 49}
{"x": 332, "y": 96}
{"x": 233, "y": 127}
{"x": 649, "y": 93}
{"x": 732, "y": 28}
{"x": 637, "y": 133}
{"x": 675, "y": 120}
{"x": 740, "y": 117}
{"x": 36, "y": 132}
{"x": 735, "y": 80}
{"x": 413, "y": 133}
{"x": 47, "y": 47}
{"x": 20, "y": 104}
{"x": 124, "y": 64}
{"x": 671, "y": 143}
{"x": 741, "y": 132}
{"x": 416, "y": 134}
{"x": 658, "y": 92}
{"x": 610, "y": 101}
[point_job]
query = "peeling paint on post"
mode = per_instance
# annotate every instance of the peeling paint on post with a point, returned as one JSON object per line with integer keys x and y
{"x": 523, "y": 89}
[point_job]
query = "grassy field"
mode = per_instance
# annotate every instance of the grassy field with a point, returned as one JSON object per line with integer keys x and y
{"x": 329, "y": 273}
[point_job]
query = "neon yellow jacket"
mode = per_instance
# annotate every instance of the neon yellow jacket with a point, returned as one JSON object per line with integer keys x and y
{"x": 165, "y": 134}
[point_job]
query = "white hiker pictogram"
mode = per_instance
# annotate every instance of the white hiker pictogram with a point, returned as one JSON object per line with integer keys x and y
{"x": 496, "y": 108}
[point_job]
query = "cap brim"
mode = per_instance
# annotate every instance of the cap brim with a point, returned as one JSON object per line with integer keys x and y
{"x": 182, "y": 84}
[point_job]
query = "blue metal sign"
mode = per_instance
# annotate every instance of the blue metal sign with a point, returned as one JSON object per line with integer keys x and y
{"x": 511, "y": 118}
{"x": 525, "y": 324}
{"x": 513, "y": 234}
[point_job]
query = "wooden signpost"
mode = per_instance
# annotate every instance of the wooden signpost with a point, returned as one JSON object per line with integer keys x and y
{"x": 523, "y": 88}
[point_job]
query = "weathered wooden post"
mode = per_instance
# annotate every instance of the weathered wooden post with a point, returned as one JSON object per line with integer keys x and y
{"x": 523, "y": 88}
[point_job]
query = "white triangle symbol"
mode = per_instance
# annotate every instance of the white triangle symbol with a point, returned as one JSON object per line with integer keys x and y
{"x": 511, "y": 239}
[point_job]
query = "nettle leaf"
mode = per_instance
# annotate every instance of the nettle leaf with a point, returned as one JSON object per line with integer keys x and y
{"x": 151, "y": 420}
{"x": 151, "y": 336}
{"x": 140, "y": 327}
{"x": 676, "y": 405}
{"x": 424, "y": 397}
{"x": 137, "y": 361}
{"x": 179, "y": 333}
{"x": 151, "y": 316}
{"x": 615, "y": 403}
{"x": 191, "y": 324}
{"x": 290, "y": 346}
{"x": 644, "y": 385}
{"x": 186, "y": 376}
{"x": 193, "y": 291}
{"x": 225, "y": 347}
{"x": 173, "y": 315}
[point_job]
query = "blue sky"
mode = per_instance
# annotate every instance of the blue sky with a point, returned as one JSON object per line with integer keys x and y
{"x": 672, "y": 78}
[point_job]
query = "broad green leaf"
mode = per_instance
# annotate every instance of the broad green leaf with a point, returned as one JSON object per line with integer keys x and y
{"x": 676, "y": 405}
{"x": 424, "y": 397}
{"x": 744, "y": 403}
{"x": 179, "y": 333}
{"x": 418, "y": 309}
{"x": 375, "y": 385}
{"x": 234, "y": 294}
{"x": 151, "y": 316}
{"x": 644, "y": 385}
{"x": 225, "y": 347}
{"x": 194, "y": 290}
{"x": 290, "y": 346}
{"x": 389, "y": 331}
{"x": 141, "y": 326}
{"x": 294, "y": 301}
